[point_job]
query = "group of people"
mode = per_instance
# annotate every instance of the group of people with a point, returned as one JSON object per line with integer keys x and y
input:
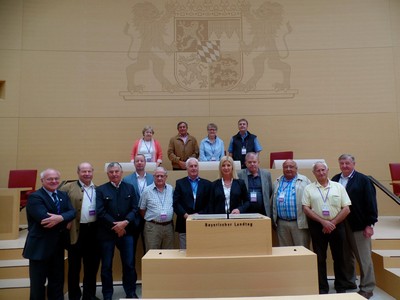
{"x": 90, "y": 221}
{"x": 183, "y": 145}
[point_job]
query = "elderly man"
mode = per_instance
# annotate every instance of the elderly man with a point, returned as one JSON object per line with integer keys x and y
{"x": 326, "y": 204}
{"x": 156, "y": 207}
{"x": 242, "y": 143}
{"x": 259, "y": 185}
{"x": 84, "y": 246}
{"x": 191, "y": 196}
{"x": 117, "y": 209}
{"x": 360, "y": 223}
{"x": 140, "y": 179}
{"x": 287, "y": 209}
{"x": 48, "y": 212}
{"x": 181, "y": 147}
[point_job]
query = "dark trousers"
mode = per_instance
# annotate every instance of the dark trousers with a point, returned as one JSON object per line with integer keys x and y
{"x": 139, "y": 233}
{"x": 51, "y": 269}
{"x": 126, "y": 248}
{"x": 320, "y": 243}
{"x": 86, "y": 251}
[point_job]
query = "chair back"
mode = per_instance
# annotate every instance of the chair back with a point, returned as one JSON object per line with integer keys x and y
{"x": 394, "y": 171}
{"x": 23, "y": 179}
{"x": 279, "y": 155}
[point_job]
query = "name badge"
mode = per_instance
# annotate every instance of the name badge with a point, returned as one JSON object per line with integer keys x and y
{"x": 92, "y": 210}
{"x": 281, "y": 197}
{"x": 163, "y": 216}
{"x": 244, "y": 151}
{"x": 253, "y": 197}
{"x": 325, "y": 210}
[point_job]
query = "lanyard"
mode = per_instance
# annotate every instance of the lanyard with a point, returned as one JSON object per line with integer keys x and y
{"x": 141, "y": 187}
{"x": 326, "y": 197}
{"x": 288, "y": 183}
{"x": 87, "y": 194}
{"x": 161, "y": 199}
{"x": 148, "y": 148}
{"x": 212, "y": 147}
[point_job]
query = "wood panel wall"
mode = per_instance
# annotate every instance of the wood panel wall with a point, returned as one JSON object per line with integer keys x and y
{"x": 65, "y": 98}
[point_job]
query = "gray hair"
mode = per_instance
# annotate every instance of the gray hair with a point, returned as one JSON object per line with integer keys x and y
{"x": 347, "y": 156}
{"x": 251, "y": 154}
{"x": 162, "y": 169}
{"x": 114, "y": 164}
{"x": 48, "y": 170}
{"x": 212, "y": 125}
{"x": 320, "y": 162}
{"x": 191, "y": 159}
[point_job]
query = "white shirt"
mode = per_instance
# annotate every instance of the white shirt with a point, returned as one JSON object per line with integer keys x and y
{"x": 88, "y": 203}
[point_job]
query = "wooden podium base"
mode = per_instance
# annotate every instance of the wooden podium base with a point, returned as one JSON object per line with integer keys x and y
{"x": 172, "y": 274}
{"x": 229, "y": 258}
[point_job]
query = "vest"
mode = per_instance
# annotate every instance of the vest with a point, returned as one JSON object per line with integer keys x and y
{"x": 237, "y": 146}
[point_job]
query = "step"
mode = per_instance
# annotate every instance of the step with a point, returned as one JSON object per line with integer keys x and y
{"x": 14, "y": 288}
{"x": 387, "y": 233}
{"x": 14, "y": 268}
{"x": 12, "y": 249}
{"x": 387, "y": 271}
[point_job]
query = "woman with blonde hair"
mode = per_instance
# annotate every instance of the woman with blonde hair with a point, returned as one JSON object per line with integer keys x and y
{"x": 228, "y": 193}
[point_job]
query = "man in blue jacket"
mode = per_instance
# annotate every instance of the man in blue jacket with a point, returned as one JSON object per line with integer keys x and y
{"x": 140, "y": 179}
{"x": 48, "y": 212}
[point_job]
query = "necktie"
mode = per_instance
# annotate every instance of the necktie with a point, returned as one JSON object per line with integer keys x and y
{"x": 56, "y": 201}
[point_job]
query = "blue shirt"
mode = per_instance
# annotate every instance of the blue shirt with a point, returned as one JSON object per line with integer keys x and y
{"x": 211, "y": 151}
{"x": 257, "y": 146}
{"x": 286, "y": 206}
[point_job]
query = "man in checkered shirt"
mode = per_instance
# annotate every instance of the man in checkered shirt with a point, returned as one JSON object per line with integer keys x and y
{"x": 156, "y": 207}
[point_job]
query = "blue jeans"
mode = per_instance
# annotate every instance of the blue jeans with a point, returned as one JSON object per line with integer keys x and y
{"x": 126, "y": 248}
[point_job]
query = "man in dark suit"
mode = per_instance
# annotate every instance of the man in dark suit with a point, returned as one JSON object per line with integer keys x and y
{"x": 359, "y": 224}
{"x": 84, "y": 247}
{"x": 117, "y": 214}
{"x": 191, "y": 196}
{"x": 259, "y": 185}
{"x": 140, "y": 179}
{"x": 48, "y": 213}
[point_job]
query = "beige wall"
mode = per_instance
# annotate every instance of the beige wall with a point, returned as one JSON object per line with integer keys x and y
{"x": 66, "y": 98}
